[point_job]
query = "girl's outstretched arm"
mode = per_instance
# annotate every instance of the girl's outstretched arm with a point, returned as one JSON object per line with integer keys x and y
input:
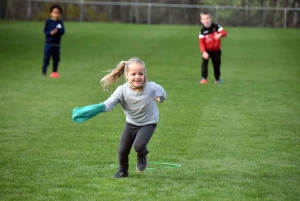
{"x": 81, "y": 114}
{"x": 113, "y": 100}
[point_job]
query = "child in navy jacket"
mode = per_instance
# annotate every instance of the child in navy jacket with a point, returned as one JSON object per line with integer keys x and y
{"x": 54, "y": 29}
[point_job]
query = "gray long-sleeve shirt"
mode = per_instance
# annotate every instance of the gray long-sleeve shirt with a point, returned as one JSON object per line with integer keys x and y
{"x": 140, "y": 108}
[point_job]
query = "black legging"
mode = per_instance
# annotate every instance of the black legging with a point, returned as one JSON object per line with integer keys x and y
{"x": 138, "y": 136}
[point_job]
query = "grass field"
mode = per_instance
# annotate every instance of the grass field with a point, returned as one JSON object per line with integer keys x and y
{"x": 235, "y": 141}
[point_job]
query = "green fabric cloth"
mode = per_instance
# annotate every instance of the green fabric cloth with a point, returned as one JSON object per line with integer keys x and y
{"x": 81, "y": 114}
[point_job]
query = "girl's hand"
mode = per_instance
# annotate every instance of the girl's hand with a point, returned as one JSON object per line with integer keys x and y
{"x": 157, "y": 99}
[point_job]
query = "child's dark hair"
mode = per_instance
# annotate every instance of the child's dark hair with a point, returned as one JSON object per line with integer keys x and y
{"x": 55, "y": 6}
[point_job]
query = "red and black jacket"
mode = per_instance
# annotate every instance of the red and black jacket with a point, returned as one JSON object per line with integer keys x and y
{"x": 206, "y": 38}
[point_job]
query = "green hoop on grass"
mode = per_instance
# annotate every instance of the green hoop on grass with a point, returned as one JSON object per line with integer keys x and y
{"x": 159, "y": 165}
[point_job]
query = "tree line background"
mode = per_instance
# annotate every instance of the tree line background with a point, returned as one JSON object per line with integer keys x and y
{"x": 19, "y": 10}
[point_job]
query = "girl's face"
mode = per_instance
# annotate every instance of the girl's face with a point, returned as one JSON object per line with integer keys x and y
{"x": 135, "y": 74}
{"x": 55, "y": 14}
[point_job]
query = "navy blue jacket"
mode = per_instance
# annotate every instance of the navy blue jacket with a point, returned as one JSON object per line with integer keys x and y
{"x": 49, "y": 26}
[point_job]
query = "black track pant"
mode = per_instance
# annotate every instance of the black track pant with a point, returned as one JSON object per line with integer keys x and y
{"x": 216, "y": 61}
{"x": 136, "y": 136}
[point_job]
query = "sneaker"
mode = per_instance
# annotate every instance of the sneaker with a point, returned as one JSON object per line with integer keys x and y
{"x": 54, "y": 75}
{"x": 203, "y": 81}
{"x": 121, "y": 174}
{"x": 43, "y": 73}
{"x": 218, "y": 81}
{"x": 141, "y": 163}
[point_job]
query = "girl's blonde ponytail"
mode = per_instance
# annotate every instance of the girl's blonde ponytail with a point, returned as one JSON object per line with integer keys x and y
{"x": 114, "y": 75}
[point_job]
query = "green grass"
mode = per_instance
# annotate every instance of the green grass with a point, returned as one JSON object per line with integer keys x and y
{"x": 235, "y": 141}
